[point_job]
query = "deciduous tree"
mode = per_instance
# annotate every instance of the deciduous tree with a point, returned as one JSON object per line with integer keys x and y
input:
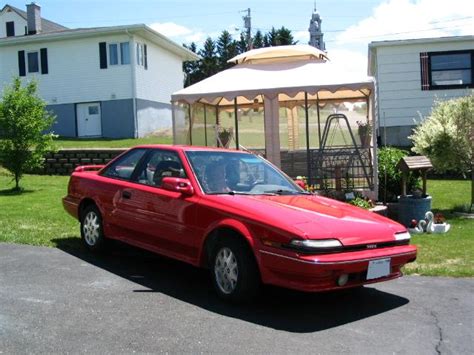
{"x": 24, "y": 122}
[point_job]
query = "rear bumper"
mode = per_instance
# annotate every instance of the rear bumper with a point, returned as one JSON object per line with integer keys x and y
{"x": 71, "y": 206}
{"x": 321, "y": 272}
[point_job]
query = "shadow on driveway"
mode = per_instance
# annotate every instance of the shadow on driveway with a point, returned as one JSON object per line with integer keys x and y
{"x": 277, "y": 308}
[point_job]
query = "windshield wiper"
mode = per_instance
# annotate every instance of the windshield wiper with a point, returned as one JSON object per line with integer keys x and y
{"x": 232, "y": 192}
{"x": 281, "y": 192}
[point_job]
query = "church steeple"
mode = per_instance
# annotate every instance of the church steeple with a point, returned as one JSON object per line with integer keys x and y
{"x": 315, "y": 33}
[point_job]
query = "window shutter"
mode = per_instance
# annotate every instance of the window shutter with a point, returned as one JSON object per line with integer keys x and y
{"x": 21, "y": 63}
{"x": 425, "y": 71}
{"x": 145, "y": 55}
{"x": 44, "y": 60}
{"x": 103, "y": 55}
{"x": 10, "y": 27}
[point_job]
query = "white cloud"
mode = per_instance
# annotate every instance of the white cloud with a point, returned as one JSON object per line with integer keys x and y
{"x": 301, "y": 36}
{"x": 170, "y": 29}
{"x": 402, "y": 19}
{"x": 353, "y": 61}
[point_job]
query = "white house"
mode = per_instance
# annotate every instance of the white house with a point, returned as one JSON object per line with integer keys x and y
{"x": 411, "y": 74}
{"x": 99, "y": 82}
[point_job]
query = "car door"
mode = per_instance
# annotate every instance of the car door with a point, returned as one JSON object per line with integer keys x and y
{"x": 159, "y": 219}
{"x": 113, "y": 186}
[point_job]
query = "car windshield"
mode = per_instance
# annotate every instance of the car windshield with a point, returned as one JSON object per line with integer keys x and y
{"x": 239, "y": 173}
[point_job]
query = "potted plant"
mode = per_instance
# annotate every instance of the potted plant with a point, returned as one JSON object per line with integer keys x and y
{"x": 364, "y": 129}
{"x": 224, "y": 136}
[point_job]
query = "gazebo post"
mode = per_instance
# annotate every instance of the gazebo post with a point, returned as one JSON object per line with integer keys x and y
{"x": 205, "y": 124}
{"x": 319, "y": 120}
{"x": 272, "y": 129}
{"x": 308, "y": 158}
{"x": 236, "y": 124}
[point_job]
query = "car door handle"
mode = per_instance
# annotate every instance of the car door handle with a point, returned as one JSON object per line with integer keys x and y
{"x": 126, "y": 194}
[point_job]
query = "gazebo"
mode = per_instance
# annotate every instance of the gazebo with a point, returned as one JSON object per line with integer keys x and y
{"x": 304, "y": 113}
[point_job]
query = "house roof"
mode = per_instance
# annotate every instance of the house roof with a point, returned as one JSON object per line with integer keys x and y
{"x": 46, "y": 25}
{"x": 401, "y": 42}
{"x": 289, "y": 80}
{"x": 76, "y": 33}
{"x": 371, "y": 68}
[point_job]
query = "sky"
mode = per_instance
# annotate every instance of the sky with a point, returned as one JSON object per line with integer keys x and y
{"x": 348, "y": 25}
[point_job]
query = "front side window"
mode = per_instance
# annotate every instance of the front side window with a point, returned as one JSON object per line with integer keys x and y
{"x": 159, "y": 164}
{"x": 450, "y": 70}
{"x": 239, "y": 173}
{"x": 33, "y": 62}
{"x": 124, "y": 167}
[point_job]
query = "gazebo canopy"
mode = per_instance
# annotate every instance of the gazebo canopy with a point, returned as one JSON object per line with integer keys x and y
{"x": 279, "y": 71}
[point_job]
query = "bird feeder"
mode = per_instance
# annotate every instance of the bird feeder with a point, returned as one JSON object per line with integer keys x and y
{"x": 407, "y": 164}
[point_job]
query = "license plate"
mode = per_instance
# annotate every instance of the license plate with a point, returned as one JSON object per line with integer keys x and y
{"x": 378, "y": 268}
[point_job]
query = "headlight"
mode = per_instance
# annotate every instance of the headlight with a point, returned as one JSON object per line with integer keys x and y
{"x": 316, "y": 245}
{"x": 403, "y": 236}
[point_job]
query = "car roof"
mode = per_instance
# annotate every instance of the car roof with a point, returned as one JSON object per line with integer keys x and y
{"x": 189, "y": 148}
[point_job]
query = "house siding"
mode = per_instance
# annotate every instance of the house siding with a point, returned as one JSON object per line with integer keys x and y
{"x": 20, "y": 23}
{"x": 401, "y": 103}
{"x": 118, "y": 119}
{"x": 163, "y": 76}
{"x": 65, "y": 124}
{"x": 153, "y": 116}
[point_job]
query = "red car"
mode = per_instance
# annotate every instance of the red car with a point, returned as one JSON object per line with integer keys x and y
{"x": 238, "y": 215}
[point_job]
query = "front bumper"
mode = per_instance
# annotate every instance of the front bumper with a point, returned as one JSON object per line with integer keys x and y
{"x": 314, "y": 273}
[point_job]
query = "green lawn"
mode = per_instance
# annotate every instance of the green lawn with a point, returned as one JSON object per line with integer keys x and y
{"x": 450, "y": 254}
{"x": 109, "y": 143}
{"x": 36, "y": 217}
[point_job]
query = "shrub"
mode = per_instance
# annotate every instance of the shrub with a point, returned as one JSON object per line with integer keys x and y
{"x": 447, "y": 137}
{"x": 390, "y": 178}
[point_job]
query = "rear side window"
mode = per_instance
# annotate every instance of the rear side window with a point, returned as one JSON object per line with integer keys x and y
{"x": 124, "y": 167}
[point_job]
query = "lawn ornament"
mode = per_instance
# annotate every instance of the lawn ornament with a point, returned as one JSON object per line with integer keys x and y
{"x": 436, "y": 224}
{"x": 417, "y": 228}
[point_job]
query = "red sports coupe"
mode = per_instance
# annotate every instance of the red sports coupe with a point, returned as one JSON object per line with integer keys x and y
{"x": 238, "y": 215}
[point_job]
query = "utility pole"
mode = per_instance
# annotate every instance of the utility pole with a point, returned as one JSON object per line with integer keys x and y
{"x": 248, "y": 28}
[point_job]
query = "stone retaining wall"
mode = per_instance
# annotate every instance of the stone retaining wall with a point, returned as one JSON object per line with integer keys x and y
{"x": 63, "y": 162}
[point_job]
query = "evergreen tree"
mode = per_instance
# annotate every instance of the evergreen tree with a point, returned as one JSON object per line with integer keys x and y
{"x": 270, "y": 38}
{"x": 209, "y": 62}
{"x": 191, "y": 68}
{"x": 258, "y": 40}
{"x": 242, "y": 44}
{"x": 284, "y": 37}
{"x": 226, "y": 49}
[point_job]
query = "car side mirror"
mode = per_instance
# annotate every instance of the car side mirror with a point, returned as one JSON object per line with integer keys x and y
{"x": 175, "y": 184}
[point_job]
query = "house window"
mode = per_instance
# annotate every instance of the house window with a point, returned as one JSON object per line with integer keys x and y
{"x": 119, "y": 53}
{"x": 140, "y": 54}
{"x": 10, "y": 26}
{"x": 125, "y": 53}
{"x": 33, "y": 62}
{"x": 448, "y": 70}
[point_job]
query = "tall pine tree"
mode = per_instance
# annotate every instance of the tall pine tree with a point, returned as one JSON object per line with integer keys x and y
{"x": 258, "y": 40}
{"x": 226, "y": 49}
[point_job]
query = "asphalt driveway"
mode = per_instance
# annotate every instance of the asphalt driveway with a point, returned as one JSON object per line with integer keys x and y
{"x": 67, "y": 301}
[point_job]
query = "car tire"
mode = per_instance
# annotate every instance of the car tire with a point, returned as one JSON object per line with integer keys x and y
{"x": 234, "y": 271}
{"x": 92, "y": 231}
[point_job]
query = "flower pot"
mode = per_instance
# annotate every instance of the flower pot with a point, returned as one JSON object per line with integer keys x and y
{"x": 410, "y": 208}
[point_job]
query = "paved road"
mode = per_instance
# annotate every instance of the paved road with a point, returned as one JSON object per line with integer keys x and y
{"x": 61, "y": 300}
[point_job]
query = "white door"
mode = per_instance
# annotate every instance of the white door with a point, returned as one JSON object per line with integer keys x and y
{"x": 89, "y": 123}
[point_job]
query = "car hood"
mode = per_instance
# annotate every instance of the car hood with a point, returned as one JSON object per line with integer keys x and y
{"x": 314, "y": 217}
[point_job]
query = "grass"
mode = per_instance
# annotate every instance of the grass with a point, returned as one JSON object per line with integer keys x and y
{"x": 109, "y": 143}
{"x": 450, "y": 254}
{"x": 36, "y": 217}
